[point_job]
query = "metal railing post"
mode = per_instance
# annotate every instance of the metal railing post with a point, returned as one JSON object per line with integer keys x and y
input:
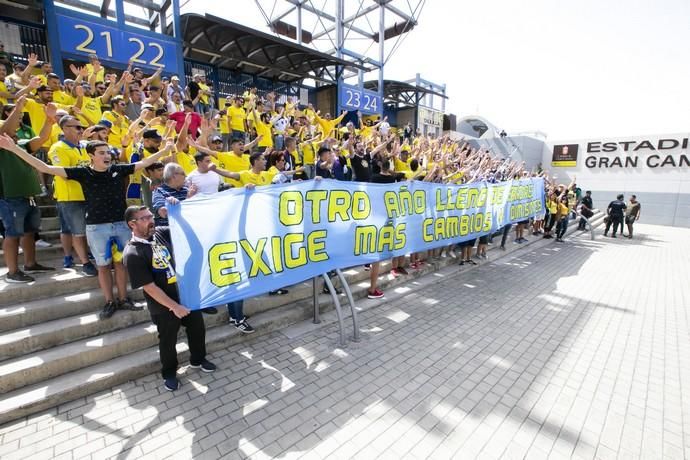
{"x": 338, "y": 310}
{"x": 348, "y": 292}
{"x": 317, "y": 313}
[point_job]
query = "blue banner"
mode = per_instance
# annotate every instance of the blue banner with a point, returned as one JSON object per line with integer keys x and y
{"x": 241, "y": 243}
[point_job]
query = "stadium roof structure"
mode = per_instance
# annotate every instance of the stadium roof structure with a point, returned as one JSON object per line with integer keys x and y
{"x": 400, "y": 92}
{"x": 233, "y": 46}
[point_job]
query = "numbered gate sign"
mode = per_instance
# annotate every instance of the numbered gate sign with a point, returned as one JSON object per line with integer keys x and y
{"x": 83, "y": 37}
{"x": 354, "y": 98}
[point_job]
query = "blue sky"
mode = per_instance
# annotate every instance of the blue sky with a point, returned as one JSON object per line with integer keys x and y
{"x": 569, "y": 69}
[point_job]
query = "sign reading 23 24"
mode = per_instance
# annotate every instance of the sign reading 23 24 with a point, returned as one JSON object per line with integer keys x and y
{"x": 78, "y": 36}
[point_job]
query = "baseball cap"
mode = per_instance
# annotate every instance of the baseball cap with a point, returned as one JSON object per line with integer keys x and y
{"x": 146, "y": 106}
{"x": 152, "y": 134}
{"x": 105, "y": 123}
{"x": 43, "y": 88}
{"x": 216, "y": 139}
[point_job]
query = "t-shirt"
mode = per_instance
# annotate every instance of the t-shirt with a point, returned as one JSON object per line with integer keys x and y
{"x": 63, "y": 98}
{"x": 68, "y": 155}
{"x": 617, "y": 208}
{"x": 17, "y": 178}
{"x": 233, "y": 163}
{"x": 633, "y": 209}
{"x": 383, "y": 179}
{"x": 261, "y": 178}
{"x": 104, "y": 191}
{"x": 194, "y": 123}
{"x": 237, "y": 116}
{"x": 152, "y": 263}
{"x": 360, "y": 165}
{"x": 207, "y": 183}
{"x": 322, "y": 170}
{"x": 91, "y": 110}
{"x": 3, "y": 89}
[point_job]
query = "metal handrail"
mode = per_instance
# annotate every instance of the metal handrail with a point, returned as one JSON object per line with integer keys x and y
{"x": 348, "y": 292}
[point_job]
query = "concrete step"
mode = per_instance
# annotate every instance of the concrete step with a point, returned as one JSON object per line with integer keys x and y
{"x": 48, "y": 210}
{"x": 63, "y": 281}
{"x": 43, "y": 255}
{"x": 48, "y": 334}
{"x": 89, "y": 380}
{"x": 37, "y": 312}
{"x": 49, "y": 223}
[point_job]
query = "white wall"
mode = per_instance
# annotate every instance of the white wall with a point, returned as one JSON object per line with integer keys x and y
{"x": 664, "y": 191}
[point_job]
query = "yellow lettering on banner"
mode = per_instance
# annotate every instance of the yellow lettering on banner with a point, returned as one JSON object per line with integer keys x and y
{"x": 365, "y": 239}
{"x": 316, "y": 197}
{"x": 427, "y": 236}
{"x": 290, "y": 260}
{"x": 390, "y": 199}
{"x": 405, "y": 202}
{"x": 461, "y": 199}
{"x": 464, "y": 225}
{"x": 220, "y": 266}
{"x": 419, "y": 201}
{"x": 256, "y": 255}
{"x": 339, "y": 203}
{"x": 276, "y": 254}
{"x": 361, "y": 206}
{"x": 369, "y": 239}
{"x": 439, "y": 229}
{"x": 291, "y": 208}
{"x": 497, "y": 194}
{"x": 316, "y": 246}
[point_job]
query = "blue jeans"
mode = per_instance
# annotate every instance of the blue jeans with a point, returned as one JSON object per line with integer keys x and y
{"x": 101, "y": 236}
{"x": 235, "y": 310}
{"x": 20, "y": 216}
{"x": 562, "y": 227}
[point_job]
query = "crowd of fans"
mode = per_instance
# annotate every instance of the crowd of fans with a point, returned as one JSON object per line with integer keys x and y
{"x": 171, "y": 142}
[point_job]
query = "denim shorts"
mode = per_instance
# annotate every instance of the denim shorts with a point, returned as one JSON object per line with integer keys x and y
{"x": 72, "y": 216}
{"x": 19, "y": 216}
{"x": 98, "y": 236}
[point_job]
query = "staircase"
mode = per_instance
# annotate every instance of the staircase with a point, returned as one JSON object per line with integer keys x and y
{"x": 54, "y": 349}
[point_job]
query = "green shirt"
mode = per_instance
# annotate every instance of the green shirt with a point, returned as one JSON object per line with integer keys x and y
{"x": 19, "y": 180}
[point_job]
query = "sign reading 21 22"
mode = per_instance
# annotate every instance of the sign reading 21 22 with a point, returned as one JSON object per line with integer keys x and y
{"x": 79, "y": 36}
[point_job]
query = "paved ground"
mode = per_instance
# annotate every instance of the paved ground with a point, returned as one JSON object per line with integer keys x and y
{"x": 579, "y": 350}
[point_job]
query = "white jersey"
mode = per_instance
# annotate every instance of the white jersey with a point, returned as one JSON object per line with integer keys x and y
{"x": 206, "y": 183}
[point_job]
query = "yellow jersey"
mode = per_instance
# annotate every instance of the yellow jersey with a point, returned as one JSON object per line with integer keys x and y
{"x": 233, "y": 163}
{"x": 67, "y": 155}
{"x": 3, "y": 89}
{"x": 261, "y": 178}
{"x": 91, "y": 110}
{"x": 237, "y": 116}
{"x": 119, "y": 128}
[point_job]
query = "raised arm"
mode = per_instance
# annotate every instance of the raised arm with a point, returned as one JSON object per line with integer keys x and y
{"x": 169, "y": 146}
{"x": 7, "y": 143}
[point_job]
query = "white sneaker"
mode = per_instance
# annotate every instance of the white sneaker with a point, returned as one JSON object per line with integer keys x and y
{"x": 43, "y": 244}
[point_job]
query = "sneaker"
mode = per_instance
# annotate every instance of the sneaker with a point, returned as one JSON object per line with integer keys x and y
{"x": 326, "y": 291}
{"x": 503, "y": 248}
{"x": 205, "y": 365}
{"x": 367, "y": 267}
{"x": 89, "y": 269}
{"x": 171, "y": 384}
{"x": 243, "y": 326}
{"x": 414, "y": 266}
{"x": 68, "y": 261}
{"x": 37, "y": 268}
{"x": 279, "y": 292}
{"x": 108, "y": 310}
{"x": 127, "y": 304}
{"x": 462, "y": 262}
{"x": 402, "y": 271}
{"x": 18, "y": 277}
{"x": 613, "y": 236}
{"x": 395, "y": 272}
{"x": 210, "y": 310}
{"x": 42, "y": 244}
{"x": 484, "y": 256}
{"x": 375, "y": 294}
{"x": 471, "y": 261}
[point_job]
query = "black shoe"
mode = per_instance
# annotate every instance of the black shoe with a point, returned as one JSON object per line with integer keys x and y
{"x": 171, "y": 384}
{"x": 205, "y": 365}
{"x": 108, "y": 310}
{"x": 462, "y": 262}
{"x": 19, "y": 277}
{"x": 37, "y": 268}
{"x": 210, "y": 310}
{"x": 613, "y": 236}
{"x": 470, "y": 261}
{"x": 367, "y": 267}
{"x": 89, "y": 269}
{"x": 326, "y": 291}
{"x": 242, "y": 325}
{"x": 278, "y": 292}
{"x": 127, "y": 304}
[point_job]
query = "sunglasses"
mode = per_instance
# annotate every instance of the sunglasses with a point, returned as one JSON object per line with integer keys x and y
{"x": 77, "y": 127}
